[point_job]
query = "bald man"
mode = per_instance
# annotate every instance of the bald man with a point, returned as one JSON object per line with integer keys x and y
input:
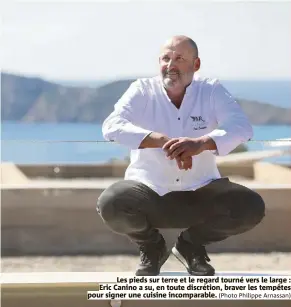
{"x": 175, "y": 124}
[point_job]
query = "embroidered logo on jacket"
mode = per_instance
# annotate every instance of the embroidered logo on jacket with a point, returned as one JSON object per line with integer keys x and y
{"x": 199, "y": 123}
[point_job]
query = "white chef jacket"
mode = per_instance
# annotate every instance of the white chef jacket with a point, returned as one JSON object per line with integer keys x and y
{"x": 207, "y": 109}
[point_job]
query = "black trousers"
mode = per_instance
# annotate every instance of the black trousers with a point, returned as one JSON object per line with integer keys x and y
{"x": 209, "y": 214}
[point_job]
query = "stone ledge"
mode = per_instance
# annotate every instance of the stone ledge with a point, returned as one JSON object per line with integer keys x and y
{"x": 73, "y": 293}
{"x": 77, "y": 298}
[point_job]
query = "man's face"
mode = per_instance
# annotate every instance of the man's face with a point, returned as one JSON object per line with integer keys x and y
{"x": 178, "y": 63}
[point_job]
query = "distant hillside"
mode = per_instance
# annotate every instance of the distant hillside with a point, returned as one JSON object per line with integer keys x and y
{"x": 81, "y": 83}
{"x": 34, "y": 99}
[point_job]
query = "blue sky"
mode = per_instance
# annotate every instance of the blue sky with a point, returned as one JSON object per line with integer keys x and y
{"x": 108, "y": 40}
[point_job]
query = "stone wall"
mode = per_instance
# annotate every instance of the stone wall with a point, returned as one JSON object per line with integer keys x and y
{"x": 270, "y": 173}
{"x": 111, "y": 170}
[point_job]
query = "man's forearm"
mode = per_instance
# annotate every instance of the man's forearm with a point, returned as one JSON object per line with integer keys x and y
{"x": 154, "y": 140}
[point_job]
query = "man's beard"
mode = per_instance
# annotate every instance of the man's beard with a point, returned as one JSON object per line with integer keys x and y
{"x": 172, "y": 82}
{"x": 181, "y": 80}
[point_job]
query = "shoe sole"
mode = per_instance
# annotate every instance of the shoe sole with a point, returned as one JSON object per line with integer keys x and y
{"x": 164, "y": 259}
{"x": 176, "y": 253}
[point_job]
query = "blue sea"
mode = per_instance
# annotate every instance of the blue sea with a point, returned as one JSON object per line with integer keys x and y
{"x": 277, "y": 93}
{"x": 22, "y": 143}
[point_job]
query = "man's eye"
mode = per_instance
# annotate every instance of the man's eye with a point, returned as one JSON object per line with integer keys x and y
{"x": 179, "y": 58}
{"x": 166, "y": 58}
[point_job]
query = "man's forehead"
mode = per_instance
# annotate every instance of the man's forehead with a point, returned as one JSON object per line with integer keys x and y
{"x": 176, "y": 51}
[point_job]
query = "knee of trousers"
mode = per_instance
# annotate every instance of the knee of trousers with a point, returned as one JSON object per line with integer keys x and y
{"x": 117, "y": 213}
{"x": 251, "y": 210}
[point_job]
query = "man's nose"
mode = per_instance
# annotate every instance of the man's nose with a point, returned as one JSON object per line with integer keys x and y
{"x": 171, "y": 63}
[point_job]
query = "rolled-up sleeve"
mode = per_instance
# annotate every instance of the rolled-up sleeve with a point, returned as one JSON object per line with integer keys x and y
{"x": 234, "y": 127}
{"x": 123, "y": 124}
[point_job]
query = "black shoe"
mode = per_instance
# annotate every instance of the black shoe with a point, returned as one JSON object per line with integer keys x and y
{"x": 194, "y": 258}
{"x": 152, "y": 256}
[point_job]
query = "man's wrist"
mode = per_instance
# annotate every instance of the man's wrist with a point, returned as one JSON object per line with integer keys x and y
{"x": 208, "y": 143}
{"x": 163, "y": 139}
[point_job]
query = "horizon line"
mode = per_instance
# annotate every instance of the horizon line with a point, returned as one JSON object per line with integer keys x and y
{"x": 128, "y": 77}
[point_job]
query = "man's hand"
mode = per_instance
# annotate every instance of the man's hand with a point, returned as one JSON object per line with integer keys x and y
{"x": 185, "y": 163}
{"x": 158, "y": 140}
{"x": 185, "y": 147}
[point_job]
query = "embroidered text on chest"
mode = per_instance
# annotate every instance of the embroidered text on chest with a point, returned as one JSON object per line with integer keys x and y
{"x": 198, "y": 122}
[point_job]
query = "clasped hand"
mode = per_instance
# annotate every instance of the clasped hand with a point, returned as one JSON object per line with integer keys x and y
{"x": 182, "y": 149}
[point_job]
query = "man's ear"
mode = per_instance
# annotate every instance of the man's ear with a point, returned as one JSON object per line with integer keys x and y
{"x": 197, "y": 64}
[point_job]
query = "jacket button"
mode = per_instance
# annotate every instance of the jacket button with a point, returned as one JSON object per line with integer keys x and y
{"x": 179, "y": 118}
{"x": 177, "y": 180}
